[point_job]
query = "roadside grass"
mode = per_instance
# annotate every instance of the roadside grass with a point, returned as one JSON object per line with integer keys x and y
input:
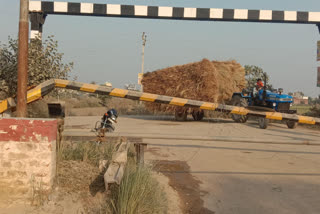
{"x": 138, "y": 193}
{"x": 38, "y": 193}
{"x": 89, "y": 152}
{"x": 301, "y": 109}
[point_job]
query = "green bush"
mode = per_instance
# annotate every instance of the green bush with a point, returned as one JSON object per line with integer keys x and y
{"x": 314, "y": 111}
{"x": 44, "y": 61}
{"x": 138, "y": 193}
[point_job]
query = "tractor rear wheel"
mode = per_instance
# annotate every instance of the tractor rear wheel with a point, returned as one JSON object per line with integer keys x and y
{"x": 180, "y": 115}
{"x": 198, "y": 115}
{"x": 263, "y": 122}
{"x": 292, "y": 124}
{"x": 242, "y": 102}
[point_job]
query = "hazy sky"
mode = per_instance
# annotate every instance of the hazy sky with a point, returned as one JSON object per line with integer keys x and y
{"x": 109, "y": 49}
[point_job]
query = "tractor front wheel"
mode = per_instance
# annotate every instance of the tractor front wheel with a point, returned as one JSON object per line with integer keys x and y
{"x": 242, "y": 102}
{"x": 291, "y": 124}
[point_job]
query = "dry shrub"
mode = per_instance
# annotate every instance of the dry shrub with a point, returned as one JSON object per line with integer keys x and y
{"x": 210, "y": 81}
{"x": 123, "y": 106}
{"x": 82, "y": 102}
{"x": 89, "y": 111}
{"x": 127, "y": 106}
{"x": 89, "y": 152}
{"x": 38, "y": 109}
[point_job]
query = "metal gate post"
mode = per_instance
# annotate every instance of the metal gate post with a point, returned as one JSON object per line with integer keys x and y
{"x": 23, "y": 59}
{"x": 140, "y": 153}
{"x": 37, "y": 21}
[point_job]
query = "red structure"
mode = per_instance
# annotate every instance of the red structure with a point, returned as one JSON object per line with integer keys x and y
{"x": 27, "y": 155}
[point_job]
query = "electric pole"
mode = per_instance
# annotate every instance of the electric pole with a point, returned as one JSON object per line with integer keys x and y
{"x": 144, "y": 40}
{"x": 23, "y": 59}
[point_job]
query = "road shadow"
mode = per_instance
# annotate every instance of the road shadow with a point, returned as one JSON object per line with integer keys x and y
{"x": 97, "y": 185}
{"x": 277, "y": 127}
{"x": 172, "y": 119}
{"x": 290, "y": 137}
{"x": 294, "y": 131}
{"x": 234, "y": 148}
{"x": 246, "y": 192}
{"x": 245, "y": 173}
{"x": 187, "y": 186}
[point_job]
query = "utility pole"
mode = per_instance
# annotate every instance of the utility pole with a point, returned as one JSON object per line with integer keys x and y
{"x": 23, "y": 58}
{"x": 144, "y": 40}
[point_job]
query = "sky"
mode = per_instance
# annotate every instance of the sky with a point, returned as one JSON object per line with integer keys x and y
{"x": 109, "y": 49}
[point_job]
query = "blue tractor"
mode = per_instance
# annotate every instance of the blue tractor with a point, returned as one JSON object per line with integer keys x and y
{"x": 263, "y": 100}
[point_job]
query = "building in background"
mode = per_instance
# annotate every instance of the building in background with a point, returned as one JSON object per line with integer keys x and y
{"x": 299, "y": 98}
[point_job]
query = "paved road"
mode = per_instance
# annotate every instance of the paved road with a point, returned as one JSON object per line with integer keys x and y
{"x": 245, "y": 173}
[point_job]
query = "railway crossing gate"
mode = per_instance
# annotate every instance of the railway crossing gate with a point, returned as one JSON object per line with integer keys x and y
{"x": 40, "y": 9}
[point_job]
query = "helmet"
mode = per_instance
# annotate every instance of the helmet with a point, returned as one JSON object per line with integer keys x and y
{"x": 112, "y": 112}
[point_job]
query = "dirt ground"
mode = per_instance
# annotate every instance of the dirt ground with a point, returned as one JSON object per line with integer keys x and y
{"x": 212, "y": 166}
{"x": 79, "y": 189}
{"x": 218, "y": 166}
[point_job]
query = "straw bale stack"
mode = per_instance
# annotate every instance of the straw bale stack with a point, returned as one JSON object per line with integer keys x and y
{"x": 210, "y": 81}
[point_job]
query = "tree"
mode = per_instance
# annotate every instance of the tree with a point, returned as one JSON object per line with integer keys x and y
{"x": 253, "y": 73}
{"x": 45, "y": 62}
{"x": 300, "y": 93}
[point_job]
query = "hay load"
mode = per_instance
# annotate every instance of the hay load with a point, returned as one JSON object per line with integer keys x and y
{"x": 210, "y": 81}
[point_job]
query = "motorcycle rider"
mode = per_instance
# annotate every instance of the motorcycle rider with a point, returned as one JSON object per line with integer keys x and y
{"x": 112, "y": 114}
{"x": 107, "y": 121}
{"x": 106, "y": 124}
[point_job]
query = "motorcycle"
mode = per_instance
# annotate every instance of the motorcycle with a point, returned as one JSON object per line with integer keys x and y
{"x": 107, "y": 122}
